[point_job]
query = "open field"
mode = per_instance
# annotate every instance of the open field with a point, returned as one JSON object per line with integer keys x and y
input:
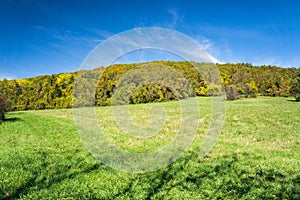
{"x": 256, "y": 157}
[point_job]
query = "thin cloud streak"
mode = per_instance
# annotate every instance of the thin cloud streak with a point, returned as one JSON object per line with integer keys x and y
{"x": 176, "y": 18}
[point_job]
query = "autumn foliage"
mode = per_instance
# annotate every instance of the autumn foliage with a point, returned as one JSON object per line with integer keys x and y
{"x": 241, "y": 80}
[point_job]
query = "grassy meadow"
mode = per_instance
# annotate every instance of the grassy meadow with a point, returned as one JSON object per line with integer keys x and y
{"x": 257, "y": 155}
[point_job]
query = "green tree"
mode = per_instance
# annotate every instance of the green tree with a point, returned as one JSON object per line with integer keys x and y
{"x": 250, "y": 89}
{"x": 214, "y": 90}
{"x": 3, "y": 108}
{"x": 295, "y": 87}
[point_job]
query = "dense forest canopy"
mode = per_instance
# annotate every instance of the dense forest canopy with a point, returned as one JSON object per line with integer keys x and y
{"x": 56, "y": 91}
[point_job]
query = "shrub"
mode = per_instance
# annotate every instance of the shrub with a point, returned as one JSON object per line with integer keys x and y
{"x": 214, "y": 90}
{"x": 251, "y": 90}
{"x": 3, "y": 108}
{"x": 295, "y": 87}
{"x": 231, "y": 92}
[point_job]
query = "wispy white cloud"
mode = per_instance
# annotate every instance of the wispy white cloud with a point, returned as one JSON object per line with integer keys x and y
{"x": 100, "y": 33}
{"x": 7, "y": 76}
{"x": 70, "y": 44}
{"x": 38, "y": 27}
{"x": 266, "y": 61}
{"x": 176, "y": 18}
{"x": 230, "y": 32}
{"x": 163, "y": 44}
{"x": 172, "y": 20}
{"x": 74, "y": 38}
{"x": 209, "y": 46}
{"x": 223, "y": 48}
{"x": 89, "y": 38}
{"x": 277, "y": 61}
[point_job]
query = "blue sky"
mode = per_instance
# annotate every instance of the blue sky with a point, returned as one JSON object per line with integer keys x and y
{"x": 44, "y": 37}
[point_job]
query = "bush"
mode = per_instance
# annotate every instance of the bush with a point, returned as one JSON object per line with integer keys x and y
{"x": 250, "y": 90}
{"x": 297, "y": 97}
{"x": 295, "y": 87}
{"x": 214, "y": 90}
{"x": 231, "y": 92}
{"x": 3, "y": 108}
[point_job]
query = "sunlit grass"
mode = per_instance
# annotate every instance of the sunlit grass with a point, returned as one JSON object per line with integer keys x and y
{"x": 256, "y": 157}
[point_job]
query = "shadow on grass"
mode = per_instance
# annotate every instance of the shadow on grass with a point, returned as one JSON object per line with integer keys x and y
{"x": 12, "y": 119}
{"x": 224, "y": 178}
{"x": 175, "y": 175}
{"x": 292, "y": 100}
{"x": 39, "y": 184}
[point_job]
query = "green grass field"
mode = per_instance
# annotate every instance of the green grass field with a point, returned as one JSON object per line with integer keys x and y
{"x": 256, "y": 157}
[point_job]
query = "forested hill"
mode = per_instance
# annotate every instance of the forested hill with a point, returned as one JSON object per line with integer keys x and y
{"x": 55, "y": 91}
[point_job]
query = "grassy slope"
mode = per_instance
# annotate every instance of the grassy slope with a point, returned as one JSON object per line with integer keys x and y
{"x": 257, "y": 156}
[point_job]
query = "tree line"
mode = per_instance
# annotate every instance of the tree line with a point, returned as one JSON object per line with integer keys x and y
{"x": 156, "y": 81}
